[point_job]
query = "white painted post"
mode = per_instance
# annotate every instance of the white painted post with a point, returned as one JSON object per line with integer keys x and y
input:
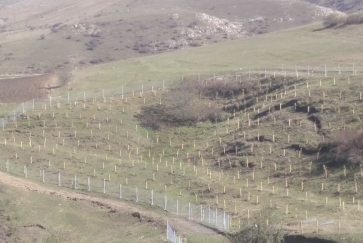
{"x": 224, "y": 220}
{"x": 209, "y": 214}
{"x": 84, "y": 96}
{"x": 59, "y": 179}
{"x": 177, "y": 207}
{"x": 165, "y": 203}
{"x": 22, "y": 104}
{"x": 167, "y": 230}
{"x": 7, "y": 165}
{"x": 189, "y": 212}
{"x": 25, "y": 172}
{"x": 68, "y": 99}
{"x": 89, "y": 183}
{"x": 339, "y": 71}
{"x": 50, "y": 101}
{"x": 103, "y": 93}
{"x": 43, "y": 176}
{"x": 201, "y": 212}
{"x": 122, "y": 92}
{"x": 104, "y": 186}
{"x": 216, "y": 217}
{"x": 136, "y": 194}
{"x": 3, "y": 123}
{"x": 75, "y": 182}
{"x": 120, "y": 192}
{"x": 33, "y": 104}
{"x": 152, "y": 197}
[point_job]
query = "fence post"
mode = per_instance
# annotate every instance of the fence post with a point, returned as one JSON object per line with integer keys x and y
{"x": 33, "y": 105}
{"x": 122, "y": 92}
{"x": 89, "y": 183}
{"x": 103, "y": 93}
{"x": 216, "y": 217}
{"x": 59, "y": 179}
{"x": 25, "y": 172}
{"x": 50, "y": 101}
{"x": 167, "y": 230}
{"x": 75, "y": 182}
{"x": 84, "y": 96}
{"x": 209, "y": 214}
{"x": 22, "y": 105}
{"x": 177, "y": 207}
{"x": 165, "y": 202}
{"x": 224, "y": 220}
{"x": 120, "y": 192}
{"x": 136, "y": 194}
{"x": 201, "y": 213}
{"x": 68, "y": 98}
{"x": 152, "y": 197}
{"x": 43, "y": 176}
{"x": 104, "y": 186}
{"x": 3, "y": 123}
{"x": 189, "y": 212}
{"x": 163, "y": 84}
{"x": 7, "y": 165}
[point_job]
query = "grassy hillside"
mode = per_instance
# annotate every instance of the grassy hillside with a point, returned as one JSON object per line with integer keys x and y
{"x": 259, "y": 155}
{"x": 44, "y": 36}
{"x": 28, "y": 216}
{"x": 344, "y": 6}
{"x": 300, "y": 46}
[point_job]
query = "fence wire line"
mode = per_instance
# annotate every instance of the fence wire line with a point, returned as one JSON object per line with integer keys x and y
{"x": 214, "y": 217}
{"x": 171, "y": 235}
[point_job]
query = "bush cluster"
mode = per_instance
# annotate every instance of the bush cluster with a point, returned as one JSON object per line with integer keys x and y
{"x": 336, "y": 19}
{"x": 349, "y": 146}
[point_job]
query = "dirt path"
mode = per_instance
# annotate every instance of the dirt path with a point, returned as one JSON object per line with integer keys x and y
{"x": 183, "y": 226}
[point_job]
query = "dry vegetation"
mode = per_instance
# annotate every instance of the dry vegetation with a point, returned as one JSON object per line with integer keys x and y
{"x": 339, "y": 20}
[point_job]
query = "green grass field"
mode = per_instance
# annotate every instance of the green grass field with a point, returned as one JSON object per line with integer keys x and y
{"x": 28, "y": 216}
{"x": 297, "y": 46}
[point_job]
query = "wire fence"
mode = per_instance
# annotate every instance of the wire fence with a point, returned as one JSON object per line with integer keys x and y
{"x": 171, "y": 235}
{"x": 215, "y": 218}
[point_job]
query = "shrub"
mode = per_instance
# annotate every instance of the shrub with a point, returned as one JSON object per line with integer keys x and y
{"x": 180, "y": 106}
{"x": 259, "y": 231}
{"x": 356, "y": 18}
{"x": 349, "y": 146}
{"x": 334, "y": 19}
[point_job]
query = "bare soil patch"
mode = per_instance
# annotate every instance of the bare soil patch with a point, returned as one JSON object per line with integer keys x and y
{"x": 14, "y": 90}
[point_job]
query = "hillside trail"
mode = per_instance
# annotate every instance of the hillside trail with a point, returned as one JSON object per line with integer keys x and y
{"x": 183, "y": 226}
